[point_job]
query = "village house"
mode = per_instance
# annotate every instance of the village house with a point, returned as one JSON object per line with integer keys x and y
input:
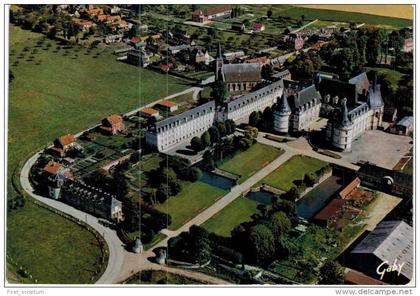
{"x": 294, "y": 41}
{"x": 200, "y": 55}
{"x": 112, "y": 125}
{"x": 258, "y": 27}
{"x": 404, "y": 126}
{"x": 167, "y": 106}
{"x": 238, "y": 26}
{"x": 64, "y": 144}
{"x": 84, "y": 25}
{"x": 138, "y": 57}
{"x": 220, "y": 11}
{"x": 148, "y": 112}
{"x": 230, "y": 56}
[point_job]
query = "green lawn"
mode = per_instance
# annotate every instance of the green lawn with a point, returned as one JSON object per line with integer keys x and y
{"x": 250, "y": 161}
{"x": 293, "y": 169}
{"x": 194, "y": 198}
{"x": 393, "y": 75}
{"x": 52, "y": 249}
{"x": 238, "y": 211}
{"x": 64, "y": 94}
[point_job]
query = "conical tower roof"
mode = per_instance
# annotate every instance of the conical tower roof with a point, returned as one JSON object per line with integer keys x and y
{"x": 283, "y": 104}
{"x": 344, "y": 120}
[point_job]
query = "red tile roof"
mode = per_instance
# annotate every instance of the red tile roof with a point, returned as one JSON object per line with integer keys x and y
{"x": 167, "y": 103}
{"x": 330, "y": 210}
{"x": 53, "y": 167}
{"x": 349, "y": 188}
{"x": 115, "y": 119}
{"x": 149, "y": 111}
{"x": 66, "y": 139}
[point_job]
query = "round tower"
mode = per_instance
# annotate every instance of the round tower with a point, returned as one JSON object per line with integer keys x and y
{"x": 138, "y": 246}
{"x": 282, "y": 115}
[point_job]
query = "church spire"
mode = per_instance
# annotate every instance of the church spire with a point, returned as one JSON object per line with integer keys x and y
{"x": 219, "y": 51}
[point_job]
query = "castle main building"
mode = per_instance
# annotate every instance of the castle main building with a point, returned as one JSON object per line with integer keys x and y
{"x": 357, "y": 106}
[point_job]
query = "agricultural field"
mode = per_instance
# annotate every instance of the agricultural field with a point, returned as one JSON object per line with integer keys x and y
{"x": 309, "y": 14}
{"x": 248, "y": 162}
{"x": 55, "y": 93}
{"x": 193, "y": 198}
{"x": 52, "y": 249}
{"x": 295, "y": 168}
{"x": 238, "y": 211}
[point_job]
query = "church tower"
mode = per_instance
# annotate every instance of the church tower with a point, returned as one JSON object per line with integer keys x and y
{"x": 219, "y": 64}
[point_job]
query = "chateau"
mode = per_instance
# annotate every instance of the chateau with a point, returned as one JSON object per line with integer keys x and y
{"x": 297, "y": 109}
{"x": 181, "y": 128}
{"x": 357, "y": 107}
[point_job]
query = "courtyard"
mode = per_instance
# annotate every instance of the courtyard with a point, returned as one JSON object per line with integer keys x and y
{"x": 381, "y": 148}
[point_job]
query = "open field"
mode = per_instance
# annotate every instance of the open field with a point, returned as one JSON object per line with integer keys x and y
{"x": 248, "y": 162}
{"x": 312, "y": 12}
{"x": 238, "y": 211}
{"x": 57, "y": 96}
{"x": 193, "y": 198}
{"x": 390, "y": 10}
{"x": 295, "y": 168}
{"x": 52, "y": 249}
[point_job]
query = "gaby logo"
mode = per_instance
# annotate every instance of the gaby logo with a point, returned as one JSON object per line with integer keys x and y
{"x": 385, "y": 267}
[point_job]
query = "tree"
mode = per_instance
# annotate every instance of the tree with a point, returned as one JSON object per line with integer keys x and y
{"x": 167, "y": 175}
{"x": 214, "y": 134}
{"x": 279, "y": 224}
{"x": 196, "y": 144}
{"x": 309, "y": 179}
{"x": 52, "y": 32}
{"x": 331, "y": 273}
{"x": 267, "y": 71}
{"x": 208, "y": 161}
{"x": 251, "y": 132}
{"x": 11, "y": 76}
{"x": 205, "y": 139}
{"x": 254, "y": 119}
{"x": 372, "y": 49}
{"x": 221, "y": 128}
{"x": 267, "y": 119}
{"x": 269, "y": 13}
{"x": 219, "y": 91}
{"x": 230, "y": 126}
{"x": 195, "y": 174}
{"x": 200, "y": 248}
{"x": 261, "y": 244}
{"x": 292, "y": 194}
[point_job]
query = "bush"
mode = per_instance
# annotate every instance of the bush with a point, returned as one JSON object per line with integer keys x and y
{"x": 228, "y": 254}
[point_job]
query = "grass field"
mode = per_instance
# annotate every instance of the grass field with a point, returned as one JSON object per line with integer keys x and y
{"x": 250, "y": 161}
{"x": 238, "y": 211}
{"x": 328, "y": 15}
{"x": 63, "y": 94}
{"x": 399, "y": 11}
{"x": 193, "y": 198}
{"x": 393, "y": 75}
{"x": 293, "y": 169}
{"x": 52, "y": 249}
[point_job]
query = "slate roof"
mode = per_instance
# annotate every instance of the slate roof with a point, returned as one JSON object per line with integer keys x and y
{"x": 334, "y": 87}
{"x": 283, "y": 104}
{"x": 407, "y": 121}
{"x": 390, "y": 240}
{"x": 188, "y": 115}
{"x": 304, "y": 96}
{"x": 399, "y": 177}
{"x": 241, "y": 72}
{"x": 374, "y": 97}
{"x": 361, "y": 82}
